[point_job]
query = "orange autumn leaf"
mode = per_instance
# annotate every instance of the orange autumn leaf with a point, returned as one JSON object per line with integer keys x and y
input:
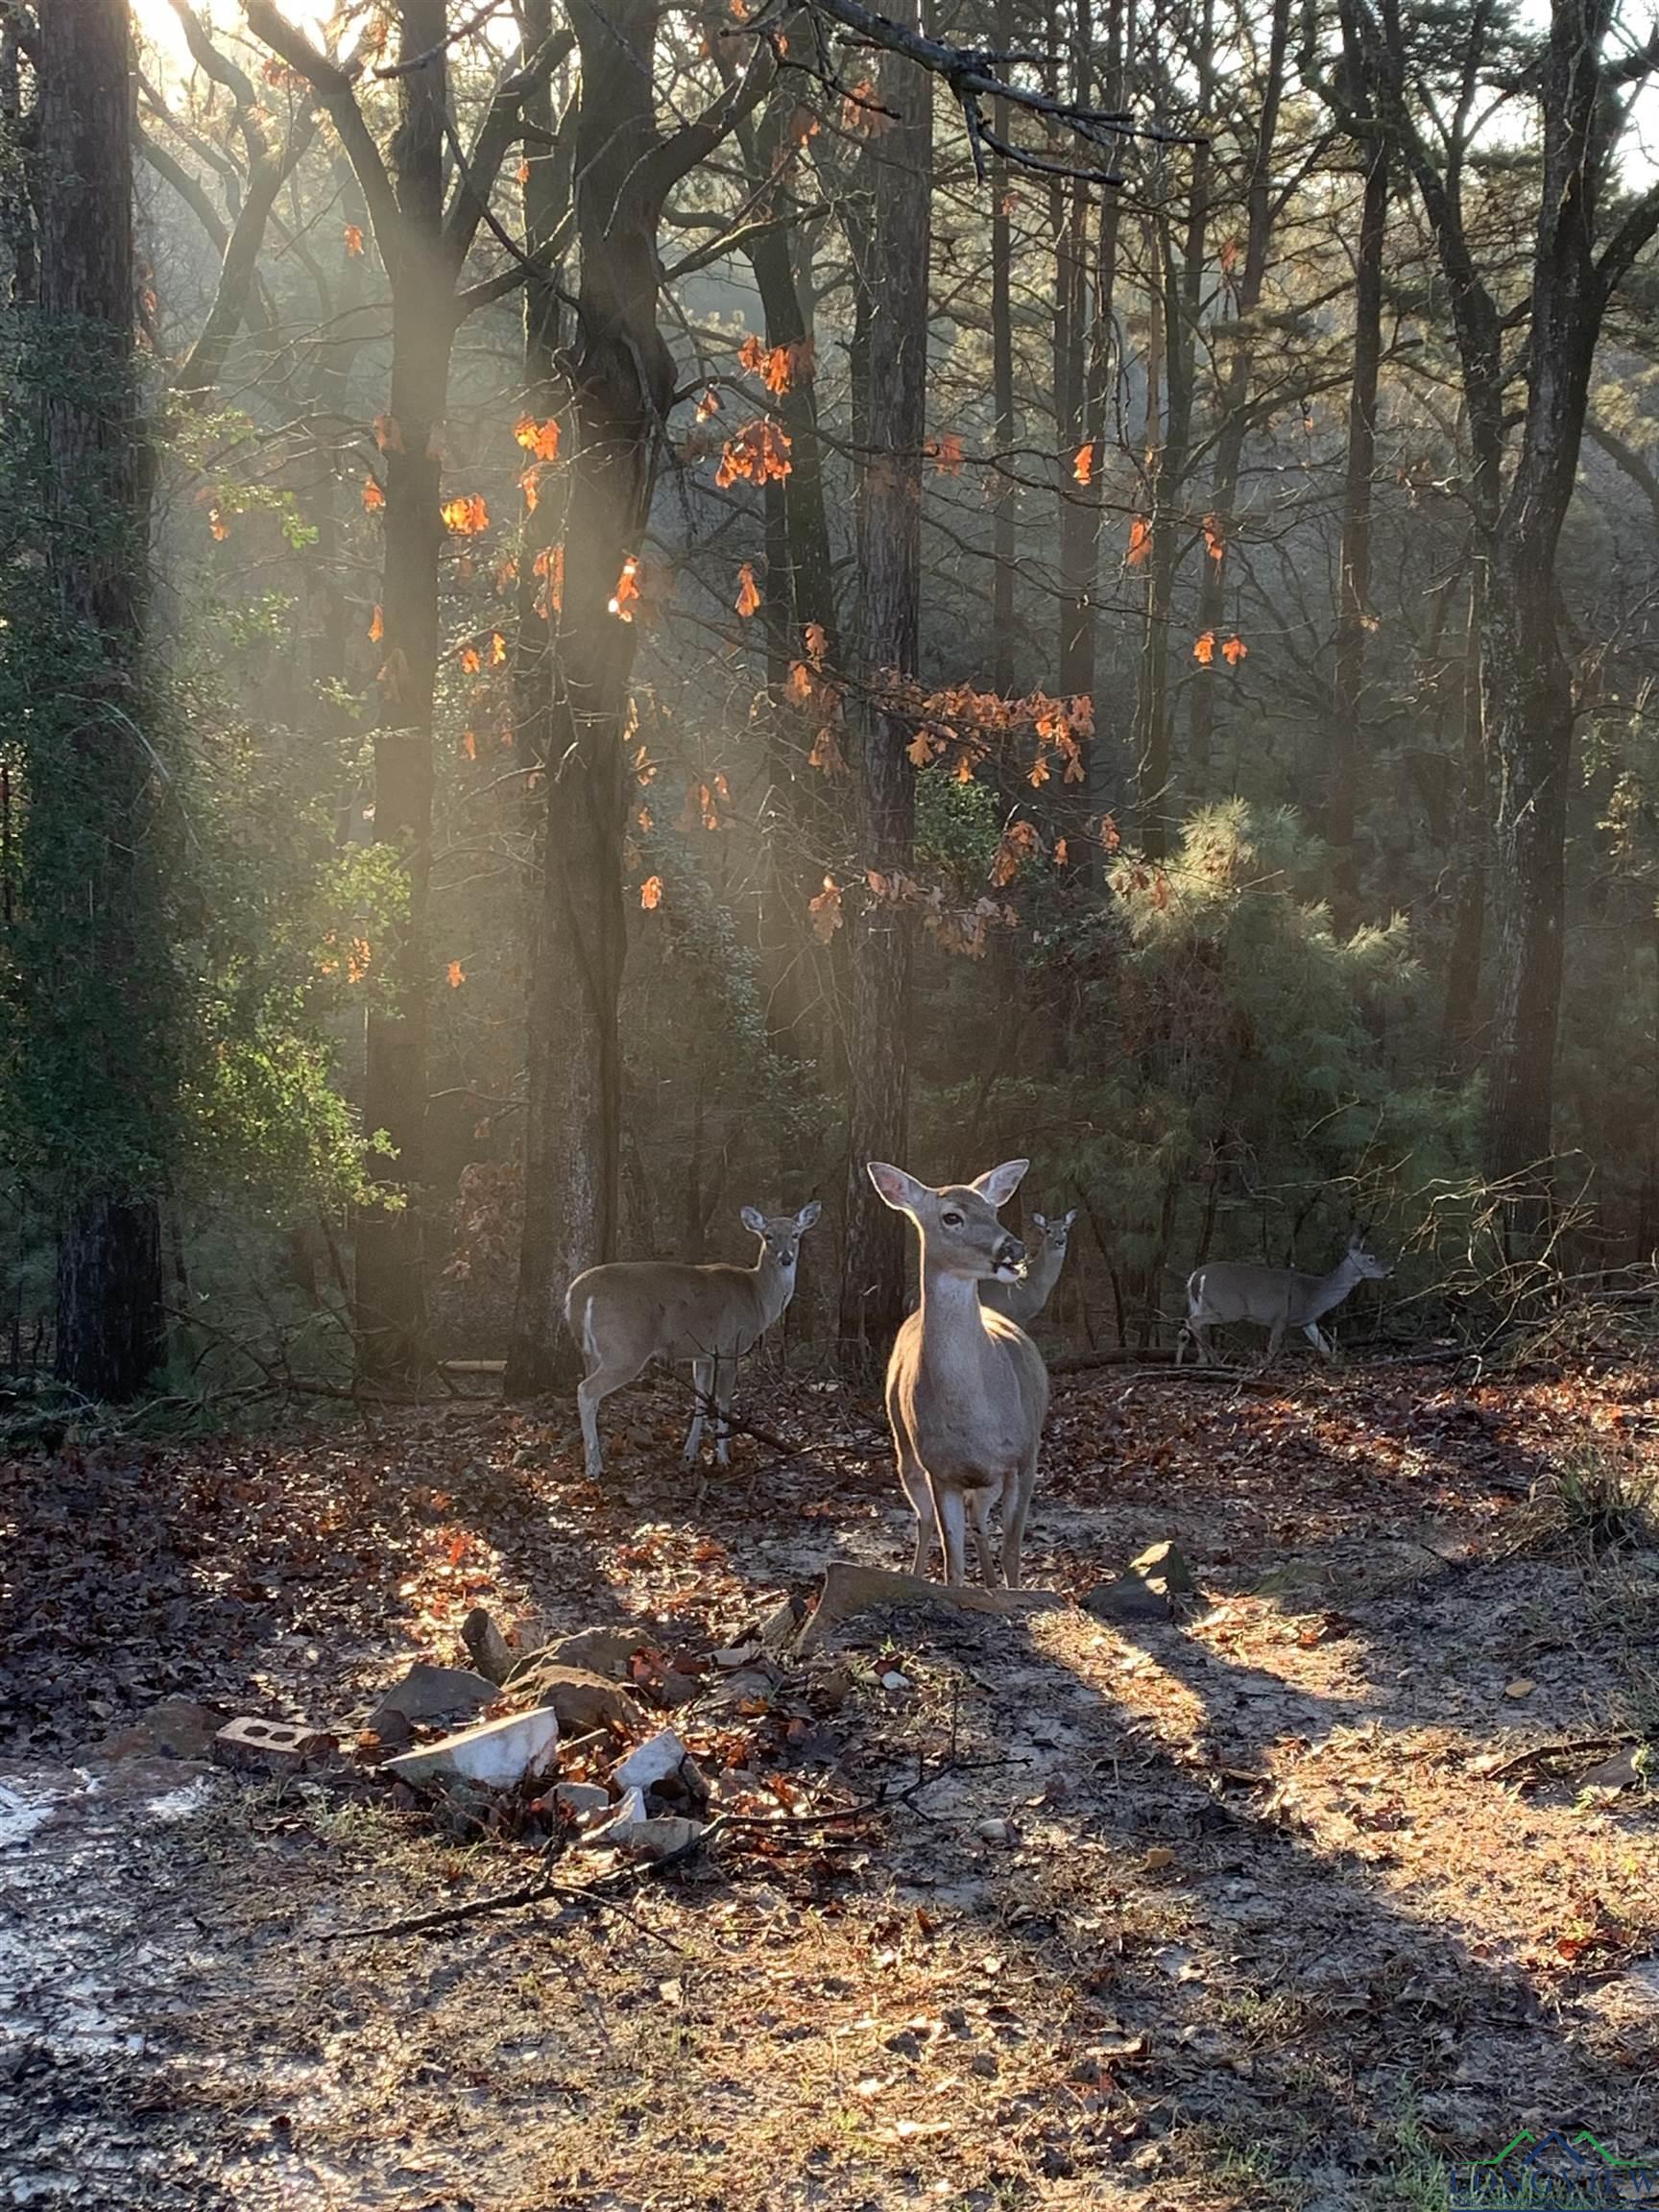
{"x": 748, "y": 592}
{"x": 651, "y": 893}
{"x": 1204, "y": 648}
{"x": 825, "y": 910}
{"x": 357, "y": 960}
{"x": 1233, "y": 651}
{"x": 549, "y": 566}
{"x": 759, "y": 453}
{"x": 1083, "y": 463}
{"x": 470, "y": 662}
{"x": 920, "y": 750}
{"x": 530, "y": 484}
{"x": 627, "y": 588}
{"x": 1215, "y": 541}
{"x": 947, "y": 453}
{"x": 377, "y": 626}
{"x": 1139, "y": 541}
{"x": 826, "y": 755}
{"x": 542, "y": 439}
{"x": 1060, "y": 852}
{"x": 497, "y": 649}
{"x": 817, "y": 644}
{"x": 466, "y": 516}
{"x": 800, "y": 684}
{"x": 1018, "y": 843}
{"x": 217, "y": 526}
{"x": 388, "y": 437}
{"x": 373, "y": 498}
{"x": 469, "y": 744}
{"x": 353, "y": 238}
{"x": 709, "y": 404}
{"x": 457, "y": 975}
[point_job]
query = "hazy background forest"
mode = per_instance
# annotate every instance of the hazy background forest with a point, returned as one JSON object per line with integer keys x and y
{"x": 704, "y": 600}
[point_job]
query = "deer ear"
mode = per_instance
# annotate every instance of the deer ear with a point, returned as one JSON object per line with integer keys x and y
{"x": 1039, "y": 1221}
{"x": 1067, "y": 1219}
{"x": 753, "y": 1220}
{"x": 807, "y": 1214}
{"x": 901, "y": 1191}
{"x": 997, "y": 1184}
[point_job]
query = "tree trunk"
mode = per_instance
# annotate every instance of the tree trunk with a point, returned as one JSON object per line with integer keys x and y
{"x": 1354, "y": 574}
{"x": 894, "y": 279}
{"x": 1004, "y": 542}
{"x": 621, "y": 384}
{"x": 1473, "y": 836}
{"x": 390, "y": 1300}
{"x": 102, "y": 1020}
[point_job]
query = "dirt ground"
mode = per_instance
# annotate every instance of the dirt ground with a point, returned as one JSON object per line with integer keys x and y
{"x": 1261, "y": 1907}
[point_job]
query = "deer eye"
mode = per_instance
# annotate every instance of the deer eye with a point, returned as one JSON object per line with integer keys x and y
{"x": 951, "y": 1220}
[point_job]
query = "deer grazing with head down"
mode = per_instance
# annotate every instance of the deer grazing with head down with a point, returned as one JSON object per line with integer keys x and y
{"x": 967, "y": 1389}
{"x": 1024, "y": 1298}
{"x": 632, "y": 1312}
{"x": 1273, "y": 1298}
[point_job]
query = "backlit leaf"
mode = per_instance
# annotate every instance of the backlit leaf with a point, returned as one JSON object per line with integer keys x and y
{"x": 747, "y": 591}
{"x": 651, "y": 893}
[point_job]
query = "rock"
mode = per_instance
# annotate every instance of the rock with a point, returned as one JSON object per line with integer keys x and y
{"x": 1130, "y": 1598}
{"x": 605, "y": 1650}
{"x": 894, "y": 1680}
{"x": 831, "y": 1690}
{"x": 270, "y": 1746}
{"x": 849, "y": 1589}
{"x": 429, "y": 1692}
{"x": 651, "y": 1762}
{"x": 995, "y": 1832}
{"x": 1627, "y": 1771}
{"x": 582, "y": 1700}
{"x": 676, "y": 1689}
{"x": 1164, "y": 1566}
{"x": 495, "y": 1754}
{"x": 651, "y": 1836}
{"x": 779, "y": 1629}
{"x": 486, "y": 1646}
{"x": 173, "y": 1729}
{"x": 736, "y": 1655}
{"x": 582, "y": 1797}
{"x": 1521, "y": 1687}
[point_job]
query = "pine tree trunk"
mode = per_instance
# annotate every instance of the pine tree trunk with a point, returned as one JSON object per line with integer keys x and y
{"x": 1353, "y": 573}
{"x": 621, "y": 385}
{"x": 391, "y": 1291}
{"x": 894, "y": 279}
{"x": 1005, "y": 543}
{"x": 96, "y": 808}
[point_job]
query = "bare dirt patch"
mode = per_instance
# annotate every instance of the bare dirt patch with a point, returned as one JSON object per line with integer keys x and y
{"x": 1261, "y": 1906}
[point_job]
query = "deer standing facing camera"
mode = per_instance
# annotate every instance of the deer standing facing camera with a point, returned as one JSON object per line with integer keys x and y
{"x": 967, "y": 1389}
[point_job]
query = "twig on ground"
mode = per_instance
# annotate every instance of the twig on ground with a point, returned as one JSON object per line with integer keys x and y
{"x": 1541, "y": 1753}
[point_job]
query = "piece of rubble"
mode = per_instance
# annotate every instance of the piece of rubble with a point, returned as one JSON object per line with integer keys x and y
{"x": 582, "y": 1797}
{"x": 605, "y": 1650}
{"x": 652, "y": 1762}
{"x": 1627, "y": 1771}
{"x": 1130, "y": 1598}
{"x": 736, "y": 1655}
{"x": 486, "y": 1646}
{"x": 258, "y": 1746}
{"x": 653, "y": 1835}
{"x": 849, "y": 1589}
{"x": 495, "y": 1754}
{"x": 428, "y": 1693}
{"x": 173, "y": 1729}
{"x": 1164, "y": 1566}
{"x": 582, "y": 1698}
{"x": 779, "y": 1629}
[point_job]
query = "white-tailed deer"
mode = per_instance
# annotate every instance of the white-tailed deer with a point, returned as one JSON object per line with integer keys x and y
{"x": 966, "y": 1387}
{"x": 1024, "y": 1298}
{"x": 1273, "y": 1298}
{"x": 632, "y": 1312}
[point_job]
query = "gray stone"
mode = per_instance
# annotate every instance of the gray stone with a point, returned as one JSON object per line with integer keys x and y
{"x": 1130, "y": 1598}
{"x": 173, "y": 1729}
{"x": 428, "y": 1693}
{"x": 495, "y": 1755}
{"x": 605, "y": 1650}
{"x": 1164, "y": 1566}
{"x": 582, "y": 1797}
{"x": 582, "y": 1699}
{"x": 486, "y": 1646}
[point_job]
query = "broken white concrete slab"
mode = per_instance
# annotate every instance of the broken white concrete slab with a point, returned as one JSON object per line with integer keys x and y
{"x": 495, "y": 1754}
{"x": 651, "y": 1836}
{"x": 652, "y": 1762}
{"x": 582, "y": 1797}
{"x": 630, "y": 1814}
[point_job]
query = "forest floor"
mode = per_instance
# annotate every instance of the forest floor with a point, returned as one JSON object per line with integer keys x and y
{"x": 1261, "y": 1907}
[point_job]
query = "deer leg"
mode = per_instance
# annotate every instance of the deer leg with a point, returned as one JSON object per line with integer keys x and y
{"x": 952, "y": 1514}
{"x": 978, "y": 1504}
{"x": 913, "y": 1480}
{"x": 1320, "y": 1342}
{"x": 1199, "y": 1333}
{"x": 722, "y": 1413}
{"x": 591, "y": 1394}
{"x": 1276, "y": 1337}
{"x": 1014, "y": 1511}
{"x": 702, "y": 1389}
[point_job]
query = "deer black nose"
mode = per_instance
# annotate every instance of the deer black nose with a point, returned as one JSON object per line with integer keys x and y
{"x": 1010, "y": 1252}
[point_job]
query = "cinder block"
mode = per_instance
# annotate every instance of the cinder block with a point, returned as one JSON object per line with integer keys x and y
{"x": 269, "y": 1746}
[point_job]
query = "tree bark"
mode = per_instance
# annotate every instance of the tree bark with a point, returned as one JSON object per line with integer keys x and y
{"x": 390, "y": 1293}
{"x": 1004, "y": 542}
{"x": 895, "y": 280}
{"x": 621, "y": 384}
{"x": 90, "y": 810}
